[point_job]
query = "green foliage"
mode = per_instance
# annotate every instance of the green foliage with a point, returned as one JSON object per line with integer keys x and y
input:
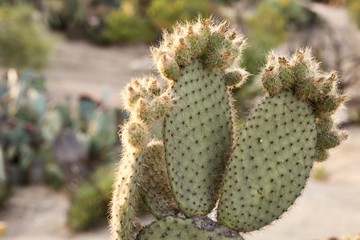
{"x": 66, "y": 14}
{"x": 319, "y": 172}
{"x": 226, "y": 2}
{"x": 354, "y": 7}
{"x": 263, "y": 35}
{"x": 281, "y": 15}
{"x": 4, "y": 192}
{"x": 14, "y": 2}
{"x": 165, "y": 13}
{"x": 4, "y": 188}
{"x": 88, "y": 207}
{"x": 127, "y": 21}
{"x": 123, "y": 27}
{"x": 86, "y": 109}
{"x": 23, "y": 41}
{"x": 149, "y": 19}
{"x": 101, "y": 129}
{"x": 22, "y": 105}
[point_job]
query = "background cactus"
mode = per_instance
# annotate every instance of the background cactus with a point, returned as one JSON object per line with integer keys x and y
{"x": 4, "y": 188}
{"x": 44, "y": 142}
{"x": 255, "y": 172}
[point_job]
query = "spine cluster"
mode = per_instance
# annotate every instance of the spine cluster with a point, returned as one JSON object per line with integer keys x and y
{"x": 301, "y": 76}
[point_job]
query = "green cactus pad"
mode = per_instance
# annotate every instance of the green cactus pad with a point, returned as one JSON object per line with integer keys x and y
{"x": 269, "y": 164}
{"x": 199, "y": 228}
{"x": 274, "y": 153}
{"x": 198, "y": 127}
{"x": 147, "y": 102}
{"x": 301, "y": 76}
{"x": 155, "y": 186}
{"x": 197, "y": 138}
{"x": 124, "y": 225}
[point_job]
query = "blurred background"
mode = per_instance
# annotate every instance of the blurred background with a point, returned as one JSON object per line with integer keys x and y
{"x": 63, "y": 64}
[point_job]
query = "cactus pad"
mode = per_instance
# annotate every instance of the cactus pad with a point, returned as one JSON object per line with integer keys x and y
{"x": 199, "y": 228}
{"x": 147, "y": 102}
{"x": 124, "y": 225}
{"x": 155, "y": 186}
{"x": 274, "y": 153}
{"x": 197, "y": 138}
{"x": 198, "y": 126}
{"x": 269, "y": 164}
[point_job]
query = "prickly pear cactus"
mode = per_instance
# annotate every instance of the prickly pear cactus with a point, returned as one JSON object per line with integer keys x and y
{"x": 182, "y": 155}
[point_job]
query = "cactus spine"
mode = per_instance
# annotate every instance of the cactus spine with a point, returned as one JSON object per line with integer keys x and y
{"x": 186, "y": 154}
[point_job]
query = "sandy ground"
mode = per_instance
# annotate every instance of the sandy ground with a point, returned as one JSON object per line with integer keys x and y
{"x": 327, "y": 208}
{"x": 39, "y": 213}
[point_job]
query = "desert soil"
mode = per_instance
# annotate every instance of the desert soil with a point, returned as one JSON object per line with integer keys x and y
{"x": 326, "y": 208}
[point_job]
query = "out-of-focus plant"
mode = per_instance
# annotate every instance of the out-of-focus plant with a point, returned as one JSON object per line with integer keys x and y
{"x": 34, "y": 133}
{"x": 142, "y": 21}
{"x": 89, "y": 203}
{"x": 4, "y": 187}
{"x": 22, "y": 105}
{"x": 51, "y": 125}
{"x": 226, "y": 2}
{"x": 126, "y": 21}
{"x": 319, "y": 172}
{"x": 78, "y": 19}
{"x": 262, "y": 36}
{"x": 127, "y": 27}
{"x": 354, "y": 7}
{"x": 100, "y": 131}
{"x": 165, "y": 13}
{"x": 331, "y": 2}
{"x": 65, "y": 13}
{"x": 282, "y": 16}
{"x": 91, "y": 198}
{"x": 23, "y": 40}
